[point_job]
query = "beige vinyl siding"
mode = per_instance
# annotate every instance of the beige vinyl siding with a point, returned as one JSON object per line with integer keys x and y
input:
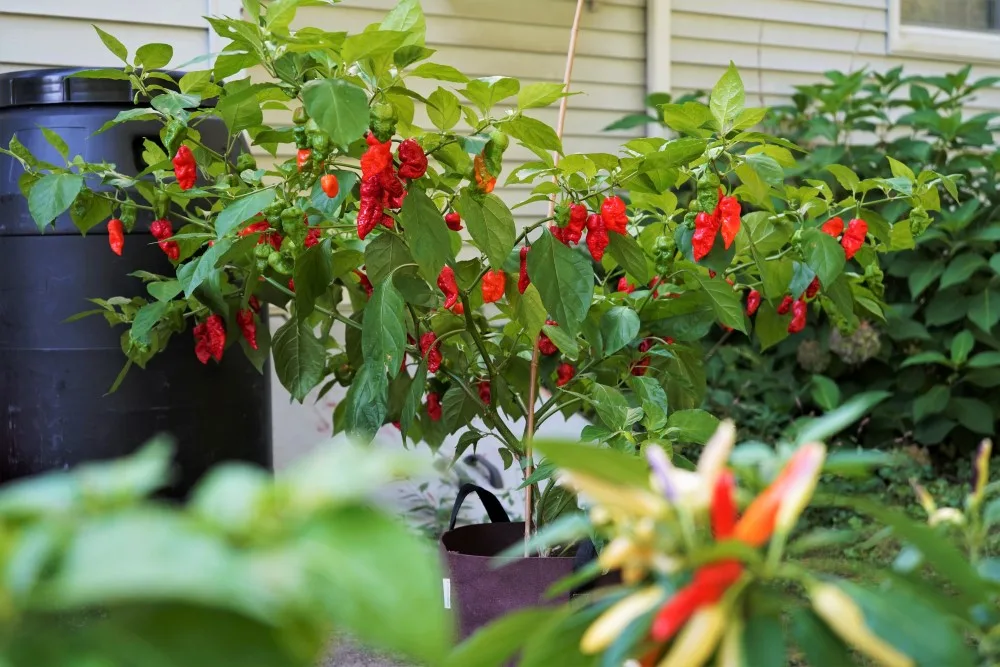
{"x": 779, "y": 44}
{"x": 526, "y": 39}
{"x": 58, "y": 33}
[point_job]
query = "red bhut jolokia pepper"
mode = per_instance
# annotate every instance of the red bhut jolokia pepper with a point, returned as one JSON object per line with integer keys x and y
{"x": 577, "y": 223}
{"x": 210, "y": 339}
{"x": 597, "y": 237}
{"x": 493, "y": 285}
{"x": 625, "y": 286}
{"x": 302, "y": 158}
{"x": 545, "y": 344}
{"x": 429, "y": 348}
{"x": 523, "y": 280}
{"x": 614, "y": 216}
{"x": 434, "y": 406}
{"x": 798, "y": 323}
{"x": 446, "y": 281}
{"x": 313, "y": 237}
{"x": 564, "y": 374}
{"x": 413, "y": 161}
{"x": 162, "y": 230}
{"x": 116, "y": 235}
{"x": 706, "y": 228}
{"x": 485, "y": 394}
{"x": 185, "y": 168}
{"x": 454, "y": 221}
{"x": 813, "y": 288}
{"x": 786, "y": 305}
{"x": 248, "y": 326}
{"x": 834, "y": 227}
{"x": 753, "y": 302}
{"x": 330, "y": 185}
{"x": 854, "y": 237}
{"x": 728, "y": 213}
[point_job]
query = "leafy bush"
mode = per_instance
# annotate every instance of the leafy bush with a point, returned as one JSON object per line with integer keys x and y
{"x": 252, "y": 571}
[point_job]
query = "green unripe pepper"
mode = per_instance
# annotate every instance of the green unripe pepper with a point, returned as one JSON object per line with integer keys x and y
{"x": 708, "y": 191}
{"x": 128, "y": 215}
{"x": 300, "y": 116}
{"x": 246, "y": 161}
{"x": 383, "y": 121}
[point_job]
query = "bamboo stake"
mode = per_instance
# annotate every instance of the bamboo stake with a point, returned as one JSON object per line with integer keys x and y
{"x": 533, "y": 389}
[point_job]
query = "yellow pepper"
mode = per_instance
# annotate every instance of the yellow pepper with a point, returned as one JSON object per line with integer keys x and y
{"x": 845, "y": 617}
{"x": 698, "y": 640}
{"x": 613, "y": 622}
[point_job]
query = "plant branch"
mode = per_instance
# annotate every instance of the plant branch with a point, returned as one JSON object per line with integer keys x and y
{"x": 529, "y": 434}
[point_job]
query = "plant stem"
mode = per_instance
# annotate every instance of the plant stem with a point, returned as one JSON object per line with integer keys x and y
{"x": 529, "y": 433}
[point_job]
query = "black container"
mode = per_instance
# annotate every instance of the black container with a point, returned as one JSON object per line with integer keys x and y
{"x": 54, "y": 375}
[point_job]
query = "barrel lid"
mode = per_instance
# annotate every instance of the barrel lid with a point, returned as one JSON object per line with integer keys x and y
{"x": 57, "y": 86}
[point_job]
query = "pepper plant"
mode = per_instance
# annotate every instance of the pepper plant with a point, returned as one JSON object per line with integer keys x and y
{"x": 391, "y": 232}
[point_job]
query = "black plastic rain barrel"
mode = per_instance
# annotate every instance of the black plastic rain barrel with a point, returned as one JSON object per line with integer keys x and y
{"x": 54, "y": 375}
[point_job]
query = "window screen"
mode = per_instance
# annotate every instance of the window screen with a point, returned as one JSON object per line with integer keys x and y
{"x": 955, "y": 14}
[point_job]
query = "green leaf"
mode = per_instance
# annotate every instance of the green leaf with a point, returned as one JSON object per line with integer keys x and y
{"x": 491, "y": 225}
{"x": 299, "y": 357}
{"x": 931, "y": 403}
{"x": 694, "y": 426}
{"x": 770, "y": 327}
{"x": 961, "y": 269}
{"x": 443, "y": 109}
{"x": 313, "y": 275}
{"x": 426, "y": 233}
{"x": 820, "y": 645}
{"x": 767, "y": 168}
{"x": 51, "y": 195}
{"x": 197, "y": 271}
{"x": 725, "y": 302}
{"x": 610, "y": 405}
{"x": 984, "y": 309}
{"x": 564, "y": 279}
{"x": 372, "y": 44}
{"x": 845, "y": 176}
{"x": 653, "y": 400}
{"x": 147, "y": 318}
{"x": 825, "y": 392}
{"x": 823, "y": 255}
{"x": 619, "y": 327}
{"x": 339, "y": 107}
{"x": 624, "y": 249}
{"x": 495, "y": 644}
{"x": 528, "y": 309}
{"x": 537, "y": 95}
{"x": 728, "y": 98}
{"x": 55, "y": 141}
{"x": 925, "y": 358}
{"x": 607, "y": 464}
{"x": 923, "y": 276}
{"x": 822, "y": 428}
{"x": 164, "y": 290}
{"x": 242, "y": 209}
{"x": 240, "y": 110}
{"x": 384, "y": 254}
{"x": 107, "y": 73}
{"x": 408, "y": 17}
{"x": 533, "y": 133}
{"x": 414, "y": 396}
{"x": 764, "y": 641}
{"x": 567, "y": 344}
{"x": 985, "y": 360}
{"x": 383, "y": 335}
{"x": 973, "y": 414}
{"x": 961, "y": 346}
{"x": 367, "y": 402}
{"x": 438, "y": 73}
{"x": 98, "y": 211}
{"x": 153, "y": 56}
{"x": 114, "y": 46}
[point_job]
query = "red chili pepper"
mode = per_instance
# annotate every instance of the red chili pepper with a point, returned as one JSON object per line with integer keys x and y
{"x": 723, "y": 506}
{"x": 161, "y": 229}
{"x": 545, "y": 344}
{"x": 255, "y": 228}
{"x": 302, "y": 158}
{"x": 559, "y": 233}
{"x": 625, "y": 286}
{"x": 614, "y": 216}
{"x": 330, "y": 185}
{"x": 523, "y": 280}
{"x": 728, "y": 212}
{"x": 564, "y": 374}
{"x": 484, "y": 179}
{"x": 493, "y": 285}
{"x": 185, "y": 168}
{"x": 365, "y": 283}
{"x": 413, "y": 162}
{"x": 446, "y": 281}
{"x": 813, "y": 288}
{"x": 834, "y": 227}
{"x": 434, "y": 406}
{"x": 597, "y": 237}
{"x": 313, "y": 237}
{"x": 210, "y": 339}
{"x": 377, "y": 158}
{"x": 706, "y": 228}
{"x": 577, "y": 223}
{"x": 429, "y": 349}
{"x": 454, "y": 221}
{"x": 647, "y": 344}
{"x": 116, "y": 235}
{"x": 708, "y": 586}
{"x": 753, "y": 302}
{"x": 254, "y": 303}
{"x": 248, "y": 326}
{"x": 854, "y": 237}
{"x": 798, "y": 323}
{"x": 485, "y": 395}
{"x": 291, "y": 284}
{"x": 786, "y": 305}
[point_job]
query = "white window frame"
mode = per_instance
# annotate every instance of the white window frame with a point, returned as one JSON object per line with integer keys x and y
{"x": 939, "y": 43}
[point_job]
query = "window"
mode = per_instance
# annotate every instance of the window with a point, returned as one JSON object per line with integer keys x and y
{"x": 966, "y": 30}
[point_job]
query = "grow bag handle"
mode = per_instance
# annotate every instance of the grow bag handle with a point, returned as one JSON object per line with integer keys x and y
{"x": 494, "y": 509}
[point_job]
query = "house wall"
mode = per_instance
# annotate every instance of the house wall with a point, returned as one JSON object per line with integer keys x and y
{"x": 778, "y": 44}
